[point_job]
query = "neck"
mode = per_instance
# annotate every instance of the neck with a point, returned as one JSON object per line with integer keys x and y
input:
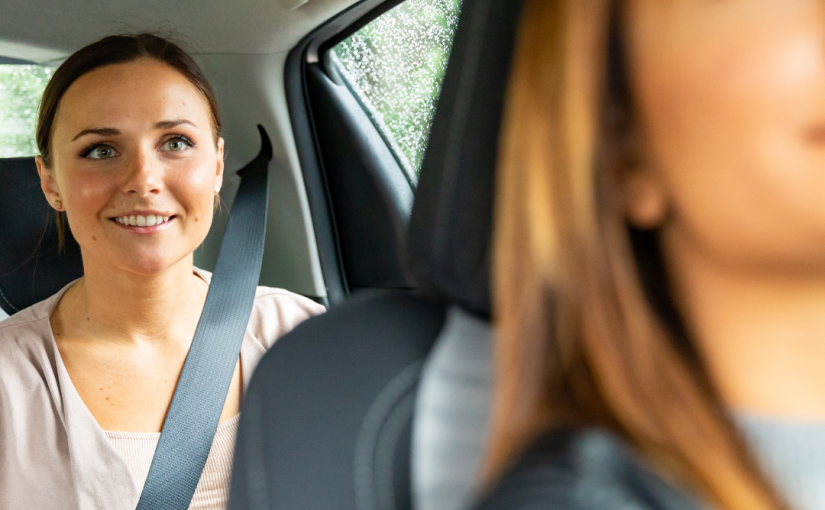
{"x": 762, "y": 334}
{"x": 117, "y": 304}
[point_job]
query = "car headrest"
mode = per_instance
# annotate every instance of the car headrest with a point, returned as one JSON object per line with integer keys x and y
{"x": 31, "y": 266}
{"x": 449, "y": 238}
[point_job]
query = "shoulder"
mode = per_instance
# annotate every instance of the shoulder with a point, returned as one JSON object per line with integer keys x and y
{"x": 583, "y": 470}
{"x": 27, "y": 363}
{"x": 34, "y": 313}
{"x": 27, "y": 327}
{"x": 275, "y": 312}
{"x": 35, "y": 317}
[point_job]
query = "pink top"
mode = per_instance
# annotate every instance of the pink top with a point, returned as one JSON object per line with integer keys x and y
{"x": 53, "y": 453}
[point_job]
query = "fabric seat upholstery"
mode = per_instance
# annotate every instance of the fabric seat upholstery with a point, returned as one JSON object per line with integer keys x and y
{"x": 32, "y": 267}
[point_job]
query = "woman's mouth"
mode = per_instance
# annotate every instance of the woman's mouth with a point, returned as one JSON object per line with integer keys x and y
{"x": 143, "y": 222}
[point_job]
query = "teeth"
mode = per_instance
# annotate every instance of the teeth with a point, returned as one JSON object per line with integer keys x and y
{"x": 142, "y": 221}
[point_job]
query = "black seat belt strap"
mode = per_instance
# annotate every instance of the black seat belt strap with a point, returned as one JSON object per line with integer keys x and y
{"x": 193, "y": 416}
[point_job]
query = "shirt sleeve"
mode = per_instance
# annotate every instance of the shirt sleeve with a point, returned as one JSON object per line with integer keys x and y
{"x": 277, "y": 311}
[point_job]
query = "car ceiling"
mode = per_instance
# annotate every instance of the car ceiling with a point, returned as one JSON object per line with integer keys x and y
{"x": 48, "y": 30}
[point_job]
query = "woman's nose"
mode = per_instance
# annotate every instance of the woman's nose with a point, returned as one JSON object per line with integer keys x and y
{"x": 145, "y": 174}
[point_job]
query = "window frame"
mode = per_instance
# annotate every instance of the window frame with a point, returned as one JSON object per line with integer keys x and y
{"x": 11, "y": 61}
{"x": 333, "y": 66}
{"x": 314, "y": 50}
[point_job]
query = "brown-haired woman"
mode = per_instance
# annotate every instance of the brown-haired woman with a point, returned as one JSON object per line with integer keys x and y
{"x": 660, "y": 257}
{"x": 132, "y": 159}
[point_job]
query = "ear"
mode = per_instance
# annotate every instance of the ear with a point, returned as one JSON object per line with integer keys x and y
{"x": 48, "y": 183}
{"x": 644, "y": 197}
{"x": 220, "y": 166}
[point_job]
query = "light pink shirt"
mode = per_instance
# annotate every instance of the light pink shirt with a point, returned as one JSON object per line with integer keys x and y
{"x": 53, "y": 453}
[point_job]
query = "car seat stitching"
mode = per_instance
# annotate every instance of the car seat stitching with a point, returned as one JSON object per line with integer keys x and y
{"x": 255, "y": 466}
{"x": 387, "y": 442}
{"x": 388, "y": 406}
{"x": 7, "y": 301}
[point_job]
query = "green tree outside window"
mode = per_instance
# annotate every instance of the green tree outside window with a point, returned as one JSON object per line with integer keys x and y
{"x": 21, "y": 87}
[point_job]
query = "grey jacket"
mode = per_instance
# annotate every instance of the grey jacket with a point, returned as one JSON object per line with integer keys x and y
{"x": 583, "y": 470}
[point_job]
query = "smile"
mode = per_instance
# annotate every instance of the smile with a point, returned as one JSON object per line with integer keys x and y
{"x": 137, "y": 220}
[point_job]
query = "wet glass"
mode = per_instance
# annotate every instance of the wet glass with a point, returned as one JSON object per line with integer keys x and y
{"x": 396, "y": 65}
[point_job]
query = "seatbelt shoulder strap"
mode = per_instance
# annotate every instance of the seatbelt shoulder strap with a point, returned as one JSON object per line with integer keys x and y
{"x": 193, "y": 417}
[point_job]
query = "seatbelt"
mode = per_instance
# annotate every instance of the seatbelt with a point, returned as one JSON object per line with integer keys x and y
{"x": 200, "y": 395}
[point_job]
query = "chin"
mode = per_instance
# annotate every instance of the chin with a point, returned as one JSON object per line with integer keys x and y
{"x": 148, "y": 265}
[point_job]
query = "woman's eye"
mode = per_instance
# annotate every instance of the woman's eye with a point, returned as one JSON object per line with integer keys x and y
{"x": 176, "y": 144}
{"x": 101, "y": 152}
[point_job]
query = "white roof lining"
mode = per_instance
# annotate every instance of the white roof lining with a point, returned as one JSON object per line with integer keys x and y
{"x": 44, "y": 31}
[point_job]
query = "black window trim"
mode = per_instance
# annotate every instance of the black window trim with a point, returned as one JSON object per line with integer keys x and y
{"x": 332, "y": 66}
{"x": 11, "y": 61}
{"x": 311, "y": 50}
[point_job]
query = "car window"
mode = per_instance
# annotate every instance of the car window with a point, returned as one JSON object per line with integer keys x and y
{"x": 395, "y": 65}
{"x": 21, "y": 87}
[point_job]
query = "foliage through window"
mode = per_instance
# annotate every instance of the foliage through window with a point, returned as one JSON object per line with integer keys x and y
{"x": 21, "y": 87}
{"x": 396, "y": 65}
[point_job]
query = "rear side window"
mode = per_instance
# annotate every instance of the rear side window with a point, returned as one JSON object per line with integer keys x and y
{"x": 395, "y": 65}
{"x": 21, "y": 87}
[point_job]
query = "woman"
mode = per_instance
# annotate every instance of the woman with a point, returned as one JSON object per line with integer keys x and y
{"x": 132, "y": 159}
{"x": 660, "y": 257}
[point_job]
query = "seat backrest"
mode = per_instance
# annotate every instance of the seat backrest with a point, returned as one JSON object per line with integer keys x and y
{"x": 450, "y": 240}
{"x": 328, "y": 415}
{"x": 32, "y": 267}
{"x": 450, "y": 228}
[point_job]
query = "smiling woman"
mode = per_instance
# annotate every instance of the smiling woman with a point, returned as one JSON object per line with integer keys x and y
{"x": 132, "y": 159}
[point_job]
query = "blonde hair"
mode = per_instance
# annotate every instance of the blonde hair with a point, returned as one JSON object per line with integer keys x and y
{"x": 579, "y": 342}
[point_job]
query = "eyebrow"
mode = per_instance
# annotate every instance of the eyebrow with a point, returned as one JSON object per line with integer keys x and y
{"x": 166, "y": 124}
{"x": 98, "y": 131}
{"x": 106, "y": 131}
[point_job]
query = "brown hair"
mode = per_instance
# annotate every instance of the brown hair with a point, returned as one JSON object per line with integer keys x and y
{"x": 115, "y": 49}
{"x": 586, "y": 331}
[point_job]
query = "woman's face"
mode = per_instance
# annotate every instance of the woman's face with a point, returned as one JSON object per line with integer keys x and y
{"x": 730, "y": 96}
{"x": 135, "y": 165}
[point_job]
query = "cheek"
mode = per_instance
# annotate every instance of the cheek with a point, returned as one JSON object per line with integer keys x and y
{"x": 727, "y": 126}
{"x": 85, "y": 195}
{"x": 193, "y": 184}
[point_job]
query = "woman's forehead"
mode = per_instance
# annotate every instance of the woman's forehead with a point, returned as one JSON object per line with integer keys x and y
{"x": 130, "y": 95}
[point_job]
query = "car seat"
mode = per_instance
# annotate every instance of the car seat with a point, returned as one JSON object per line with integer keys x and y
{"x": 382, "y": 402}
{"x": 32, "y": 267}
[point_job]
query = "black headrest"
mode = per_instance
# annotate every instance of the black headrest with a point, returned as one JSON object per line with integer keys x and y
{"x": 31, "y": 267}
{"x": 450, "y": 229}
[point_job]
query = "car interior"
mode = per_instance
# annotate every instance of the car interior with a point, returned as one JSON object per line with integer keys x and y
{"x": 383, "y": 117}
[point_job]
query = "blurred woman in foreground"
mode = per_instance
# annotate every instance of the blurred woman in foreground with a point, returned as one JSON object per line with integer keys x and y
{"x": 660, "y": 251}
